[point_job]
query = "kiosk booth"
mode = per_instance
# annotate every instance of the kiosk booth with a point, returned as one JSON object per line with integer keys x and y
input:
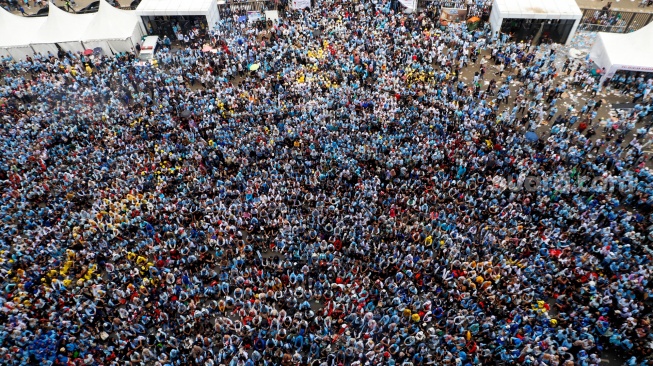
{"x": 629, "y": 52}
{"x": 162, "y": 17}
{"x": 554, "y": 20}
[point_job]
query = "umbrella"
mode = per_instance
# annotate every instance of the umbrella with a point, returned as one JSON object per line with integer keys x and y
{"x": 97, "y": 51}
{"x": 474, "y": 19}
{"x": 531, "y": 136}
{"x": 254, "y": 67}
{"x": 88, "y": 52}
{"x": 186, "y": 113}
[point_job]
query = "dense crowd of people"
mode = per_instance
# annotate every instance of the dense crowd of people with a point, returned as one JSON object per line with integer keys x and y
{"x": 330, "y": 190}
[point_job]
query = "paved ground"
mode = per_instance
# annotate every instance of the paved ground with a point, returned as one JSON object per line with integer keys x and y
{"x": 575, "y": 96}
{"x": 623, "y": 5}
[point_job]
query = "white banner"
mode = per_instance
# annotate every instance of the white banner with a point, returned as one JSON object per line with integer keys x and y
{"x": 454, "y": 15}
{"x": 616, "y": 67}
{"x": 301, "y": 4}
{"x": 633, "y": 68}
{"x": 272, "y": 15}
{"x": 409, "y": 4}
{"x": 253, "y": 16}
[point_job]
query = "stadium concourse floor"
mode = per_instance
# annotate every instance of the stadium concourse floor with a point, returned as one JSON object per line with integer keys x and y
{"x": 622, "y": 5}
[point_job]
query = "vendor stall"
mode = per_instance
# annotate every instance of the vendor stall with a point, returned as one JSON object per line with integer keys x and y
{"x": 554, "y": 20}
{"x": 629, "y": 52}
{"x": 162, "y": 17}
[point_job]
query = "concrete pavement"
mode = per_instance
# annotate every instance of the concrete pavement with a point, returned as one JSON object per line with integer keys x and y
{"x": 621, "y": 5}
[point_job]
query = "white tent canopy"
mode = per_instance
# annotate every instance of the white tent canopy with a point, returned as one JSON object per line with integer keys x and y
{"x": 207, "y": 8}
{"x": 16, "y": 33}
{"x": 63, "y": 28}
{"x": 113, "y": 30}
{"x": 630, "y": 51}
{"x": 535, "y": 9}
